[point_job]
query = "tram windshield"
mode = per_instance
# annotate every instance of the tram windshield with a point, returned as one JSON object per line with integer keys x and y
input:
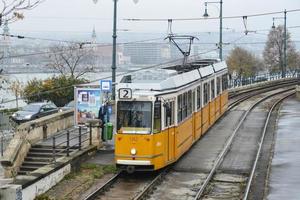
{"x": 134, "y": 117}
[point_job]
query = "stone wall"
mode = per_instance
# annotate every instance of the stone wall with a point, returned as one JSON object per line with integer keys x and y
{"x": 30, "y": 133}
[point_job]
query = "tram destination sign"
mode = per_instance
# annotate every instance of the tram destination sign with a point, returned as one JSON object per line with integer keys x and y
{"x": 125, "y": 93}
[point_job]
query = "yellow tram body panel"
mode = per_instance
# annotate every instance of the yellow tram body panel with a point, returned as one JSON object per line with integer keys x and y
{"x": 218, "y": 107}
{"x": 197, "y": 125}
{"x": 184, "y": 137}
{"x": 212, "y": 114}
{"x": 205, "y": 118}
{"x": 224, "y": 101}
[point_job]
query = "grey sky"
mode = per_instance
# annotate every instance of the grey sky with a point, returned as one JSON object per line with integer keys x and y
{"x": 81, "y": 15}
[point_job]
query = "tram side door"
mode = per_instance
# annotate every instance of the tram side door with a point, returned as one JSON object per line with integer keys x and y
{"x": 169, "y": 122}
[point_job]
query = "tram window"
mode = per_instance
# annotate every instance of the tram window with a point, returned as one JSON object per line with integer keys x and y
{"x": 184, "y": 106}
{"x": 212, "y": 88}
{"x": 224, "y": 82}
{"x": 135, "y": 114}
{"x": 198, "y": 97}
{"x": 189, "y": 102}
{"x": 218, "y": 85}
{"x": 194, "y": 100}
{"x": 205, "y": 93}
{"x": 169, "y": 113}
{"x": 157, "y": 117}
{"x": 179, "y": 108}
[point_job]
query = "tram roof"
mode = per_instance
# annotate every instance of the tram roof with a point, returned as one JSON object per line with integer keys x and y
{"x": 170, "y": 77}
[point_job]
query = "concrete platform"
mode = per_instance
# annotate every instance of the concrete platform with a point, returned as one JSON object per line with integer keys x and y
{"x": 284, "y": 181}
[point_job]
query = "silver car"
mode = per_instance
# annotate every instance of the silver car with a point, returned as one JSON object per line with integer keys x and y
{"x": 34, "y": 111}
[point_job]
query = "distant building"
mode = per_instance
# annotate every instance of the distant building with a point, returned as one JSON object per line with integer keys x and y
{"x": 146, "y": 53}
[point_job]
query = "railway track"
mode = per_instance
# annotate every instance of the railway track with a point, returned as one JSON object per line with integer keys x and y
{"x": 136, "y": 187}
{"x": 222, "y": 155}
{"x": 125, "y": 186}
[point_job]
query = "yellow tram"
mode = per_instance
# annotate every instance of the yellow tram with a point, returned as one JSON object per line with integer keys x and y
{"x": 161, "y": 113}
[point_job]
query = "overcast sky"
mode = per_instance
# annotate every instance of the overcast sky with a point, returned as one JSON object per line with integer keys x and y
{"x": 74, "y": 16}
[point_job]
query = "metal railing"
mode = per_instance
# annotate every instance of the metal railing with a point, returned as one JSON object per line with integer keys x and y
{"x": 233, "y": 83}
{"x": 66, "y": 146}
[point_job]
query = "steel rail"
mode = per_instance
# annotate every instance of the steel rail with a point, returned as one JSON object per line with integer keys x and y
{"x": 229, "y": 142}
{"x": 247, "y": 191}
{"x": 151, "y": 185}
{"x": 102, "y": 189}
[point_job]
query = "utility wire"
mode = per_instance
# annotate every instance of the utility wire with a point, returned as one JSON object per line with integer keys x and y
{"x": 38, "y": 38}
{"x": 80, "y": 42}
{"x": 208, "y": 18}
{"x": 69, "y": 86}
{"x": 65, "y": 41}
{"x": 79, "y": 48}
{"x": 150, "y": 67}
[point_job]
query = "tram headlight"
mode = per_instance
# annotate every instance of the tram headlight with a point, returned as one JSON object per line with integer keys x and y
{"x": 133, "y": 151}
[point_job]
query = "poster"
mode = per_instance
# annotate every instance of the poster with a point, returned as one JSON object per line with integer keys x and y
{"x": 88, "y": 102}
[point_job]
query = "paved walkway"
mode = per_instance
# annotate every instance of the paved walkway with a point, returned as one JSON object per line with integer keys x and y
{"x": 284, "y": 180}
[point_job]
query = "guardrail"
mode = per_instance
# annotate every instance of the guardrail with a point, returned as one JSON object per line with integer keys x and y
{"x": 233, "y": 83}
{"x": 65, "y": 145}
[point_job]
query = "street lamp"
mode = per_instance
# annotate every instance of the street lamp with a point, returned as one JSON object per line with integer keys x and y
{"x": 114, "y": 50}
{"x": 284, "y": 65}
{"x": 206, "y": 15}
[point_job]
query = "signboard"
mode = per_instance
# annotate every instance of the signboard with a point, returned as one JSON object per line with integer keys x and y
{"x": 125, "y": 93}
{"x": 106, "y": 85}
{"x": 87, "y": 104}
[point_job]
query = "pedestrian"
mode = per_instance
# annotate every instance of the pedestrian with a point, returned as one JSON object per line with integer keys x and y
{"x": 102, "y": 116}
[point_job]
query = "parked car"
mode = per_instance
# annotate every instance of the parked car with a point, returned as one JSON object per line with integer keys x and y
{"x": 68, "y": 106}
{"x": 34, "y": 111}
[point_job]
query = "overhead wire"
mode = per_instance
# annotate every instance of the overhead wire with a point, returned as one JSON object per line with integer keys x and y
{"x": 125, "y": 73}
{"x": 80, "y": 47}
{"x": 209, "y": 18}
{"x": 107, "y": 77}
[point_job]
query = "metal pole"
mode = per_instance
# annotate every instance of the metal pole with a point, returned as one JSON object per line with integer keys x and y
{"x": 79, "y": 138}
{"x": 2, "y": 143}
{"x": 90, "y": 134}
{"x": 285, "y": 46}
{"x": 53, "y": 148}
{"x": 221, "y": 24}
{"x": 114, "y": 52}
{"x": 68, "y": 142}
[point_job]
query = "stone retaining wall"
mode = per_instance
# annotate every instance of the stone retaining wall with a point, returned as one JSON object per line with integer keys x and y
{"x": 30, "y": 133}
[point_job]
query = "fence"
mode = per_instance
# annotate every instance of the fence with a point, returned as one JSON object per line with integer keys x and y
{"x": 69, "y": 140}
{"x": 233, "y": 83}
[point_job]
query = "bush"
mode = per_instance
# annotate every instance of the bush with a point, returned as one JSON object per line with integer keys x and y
{"x": 38, "y": 90}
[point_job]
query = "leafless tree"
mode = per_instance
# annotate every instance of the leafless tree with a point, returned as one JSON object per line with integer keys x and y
{"x": 11, "y": 10}
{"x": 243, "y": 63}
{"x": 273, "y": 52}
{"x": 72, "y": 59}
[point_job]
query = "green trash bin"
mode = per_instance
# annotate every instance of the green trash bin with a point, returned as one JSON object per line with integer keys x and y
{"x": 108, "y": 131}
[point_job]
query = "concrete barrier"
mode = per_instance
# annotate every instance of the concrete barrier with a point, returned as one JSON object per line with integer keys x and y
{"x": 298, "y": 92}
{"x": 30, "y": 133}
